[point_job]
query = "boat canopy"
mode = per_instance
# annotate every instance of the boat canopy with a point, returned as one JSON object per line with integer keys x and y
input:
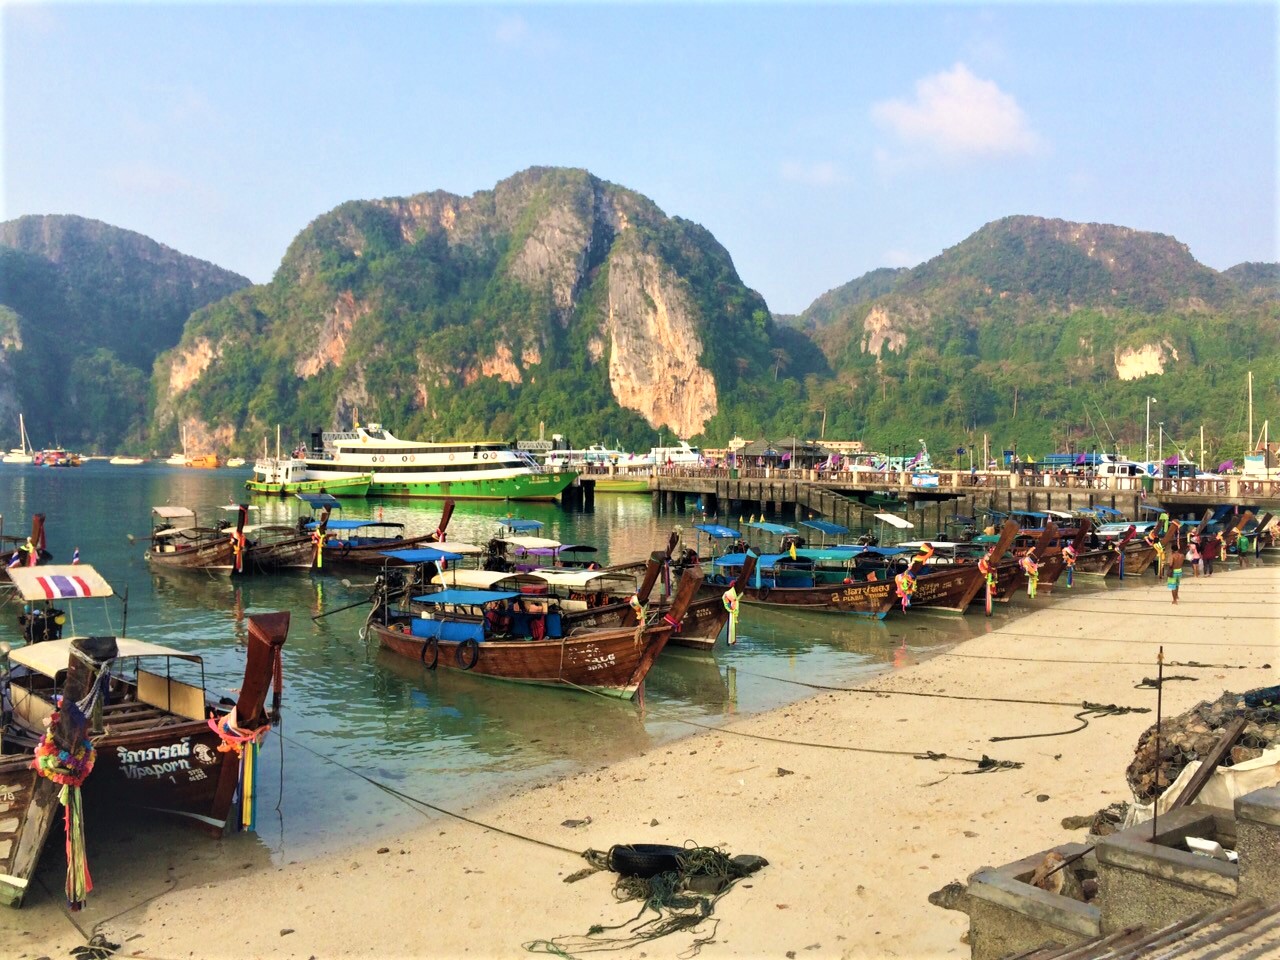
{"x": 578, "y": 548}
{"x": 1106, "y": 510}
{"x": 478, "y": 579}
{"x": 825, "y": 526}
{"x": 173, "y": 513}
{"x": 51, "y": 656}
{"x": 1061, "y": 514}
{"x": 466, "y": 598}
{"x": 519, "y": 525}
{"x": 936, "y": 544}
{"x": 319, "y": 500}
{"x": 894, "y": 521}
{"x": 59, "y": 582}
{"x": 532, "y": 543}
{"x": 733, "y": 560}
{"x": 717, "y": 530}
{"x": 355, "y": 524}
{"x": 1151, "y": 509}
{"x": 232, "y": 507}
{"x": 1038, "y": 514}
{"x": 578, "y": 578}
{"x": 777, "y": 528}
{"x": 422, "y": 555}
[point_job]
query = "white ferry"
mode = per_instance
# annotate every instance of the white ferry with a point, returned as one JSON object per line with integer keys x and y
{"x": 596, "y": 455}
{"x": 484, "y": 470}
{"x": 676, "y": 456}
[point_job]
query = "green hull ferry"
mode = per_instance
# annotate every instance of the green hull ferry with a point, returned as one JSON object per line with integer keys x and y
{"x": 545, "y": 486}
{"x": 338, "y": 487}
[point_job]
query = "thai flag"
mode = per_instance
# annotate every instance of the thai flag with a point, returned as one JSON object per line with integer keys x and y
{"x": 15, "y": 559}
{"x": 60, "y": 587}
{"x": 75, "y": 557}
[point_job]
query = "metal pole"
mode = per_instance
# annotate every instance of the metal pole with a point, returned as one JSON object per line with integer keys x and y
{"x": 1155, "y": 806}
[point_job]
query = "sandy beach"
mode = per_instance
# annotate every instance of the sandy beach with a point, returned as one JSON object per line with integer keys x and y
{"x": 857, "y": 828}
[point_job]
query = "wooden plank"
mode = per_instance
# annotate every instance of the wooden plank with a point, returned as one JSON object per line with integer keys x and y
{"x": 1210, "y": 763}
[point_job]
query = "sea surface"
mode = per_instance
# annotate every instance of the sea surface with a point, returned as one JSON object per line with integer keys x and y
{"x": 370, "y": 742}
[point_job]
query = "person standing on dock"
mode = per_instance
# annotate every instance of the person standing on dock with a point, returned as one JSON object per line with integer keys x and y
{"x": 1175, "y": 571}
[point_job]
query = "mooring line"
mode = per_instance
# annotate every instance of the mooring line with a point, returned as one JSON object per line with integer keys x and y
{"x": 1108, "y": 663}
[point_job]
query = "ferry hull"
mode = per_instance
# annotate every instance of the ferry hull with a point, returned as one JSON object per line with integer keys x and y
{"x": 346, "y": 487}
{"x": 546, "y": 486}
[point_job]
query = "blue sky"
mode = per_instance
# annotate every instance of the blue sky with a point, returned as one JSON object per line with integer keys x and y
{"x": 815, "y": 142}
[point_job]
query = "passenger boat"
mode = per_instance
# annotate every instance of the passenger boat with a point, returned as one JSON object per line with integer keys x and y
{"x": 205, "y": 461}
{"x": 285, "y": 476}
{"x": 235, "y": 461}
{"x": 156, "y": 747}
{"x": 360, "y": 543}
{"x": 949, "y": 579}
{"x": 178, "y": 542}
{"x": 406, "y": 468}
{"x": 126, "y": 461}
{"x": 458, "y": 633}
{"x": 23, "y": 453}
{"x": 24, "y": 551}
{"x": 55, "y": 457}
{"x": 822, "y": 581}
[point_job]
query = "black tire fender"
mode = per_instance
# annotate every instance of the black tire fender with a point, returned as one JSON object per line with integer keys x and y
{"x": 644, "y": 859}
{"x": 430, "y": 654}
{"x": 467, "y": 653}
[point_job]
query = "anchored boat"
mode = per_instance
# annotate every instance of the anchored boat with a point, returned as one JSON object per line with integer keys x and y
{"x": 112, "y": 715}
{"x": 407, "y": 468}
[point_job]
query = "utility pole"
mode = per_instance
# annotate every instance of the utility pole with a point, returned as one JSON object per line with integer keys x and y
{"x": 1146, "y": 450}
{"x": 1160, "y": 455}
{"x": 1202, "y": 448}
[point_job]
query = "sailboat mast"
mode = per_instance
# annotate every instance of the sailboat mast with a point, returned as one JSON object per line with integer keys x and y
{"x": 1248, "y": 449}
{"x": 277, "y": 441}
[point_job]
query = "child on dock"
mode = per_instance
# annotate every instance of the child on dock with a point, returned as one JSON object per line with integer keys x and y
{"x": 1175, "y": 570}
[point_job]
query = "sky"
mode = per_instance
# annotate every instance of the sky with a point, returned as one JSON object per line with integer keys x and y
{"x": 815, "y": 142}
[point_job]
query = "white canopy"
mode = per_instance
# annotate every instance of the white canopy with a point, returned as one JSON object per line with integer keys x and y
{"x": 893, "y": 521}
{"x": 62, "y": 581}
{"x": 532, "y": 543}
{"x": 455, "y": 546}
{"x": 580, "y": 578}
{"x": 1060, "y": 514}
{"x": 173, "y": 513}
{"x": 50, "y": 656}
{"x": 475, "y": 579}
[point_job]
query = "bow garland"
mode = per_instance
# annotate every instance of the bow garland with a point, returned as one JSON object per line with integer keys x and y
{"x": 1069, "y": 558}
{"x": 235, "y": 739}
{"x": 70, "y": 768}
{"x": 1032, "y": 570}
{"x": 730, "y": 598}
{"x": 640, "y": 609}
{"x": 318, "y": 537}
{"x": 237, "y": 549}
{"x": 1159, "y": 556}
{"x": 906, "y": 583}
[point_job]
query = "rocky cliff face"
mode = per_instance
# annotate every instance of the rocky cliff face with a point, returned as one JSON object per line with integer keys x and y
{"x": 408, "y": 305}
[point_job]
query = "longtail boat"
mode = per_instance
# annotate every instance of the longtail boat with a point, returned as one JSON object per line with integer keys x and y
{"x": 948, "y": 578}
{"x": 460, "y": 635}
{"x": 178, "y": 542}
{"x": 161, "y": 743}
{"x": 24, "y": 552}
{"x": 361, "y": 544}
{"x": 799, "y": 582}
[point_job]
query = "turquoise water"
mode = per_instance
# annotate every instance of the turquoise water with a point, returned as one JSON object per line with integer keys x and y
{"x": 356, "y": 716}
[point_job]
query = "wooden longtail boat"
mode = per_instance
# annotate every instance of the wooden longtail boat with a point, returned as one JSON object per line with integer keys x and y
{"x": 780, "y": 581}
{"x": 19, "y": 550}
{"x": 357, "y": 545}
{"x": 611, "y": 661}
{"x": 156, "y": 748}
{"x": 952, "y": 584}
{"x": 178, "y": 542}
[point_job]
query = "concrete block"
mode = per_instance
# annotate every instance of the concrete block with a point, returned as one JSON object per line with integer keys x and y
{"x": 1258, "y": 844}
{"x": 1156, "y": 881}
{"x": 1007, "y": 915}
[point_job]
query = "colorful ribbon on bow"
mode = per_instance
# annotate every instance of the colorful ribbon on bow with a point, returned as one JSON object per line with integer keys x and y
{"x": 1032, "y": 569}
{"x": 318, "y": 537}
{"x": 906, "y": 584}
{"x": 731, "y": 600}
{"x": 70, "y": 768}
{"x": 245, "y": 744}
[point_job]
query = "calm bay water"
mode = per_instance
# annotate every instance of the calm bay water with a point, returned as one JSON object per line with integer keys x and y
{"x": 354, "y": 714}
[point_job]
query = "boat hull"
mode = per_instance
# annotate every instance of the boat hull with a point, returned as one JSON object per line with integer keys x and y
{"x": 533, "y": 486}
{"x": 948, "y": 588}
{"x": 344, "y": 487}
{"x": 28, "y": 808}
{"x": 219, "y": 554}
{"x": 613, "y": 662}
{"x": 867, "y": 598}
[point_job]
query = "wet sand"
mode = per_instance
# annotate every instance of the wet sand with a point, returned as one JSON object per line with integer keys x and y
{"x": 858, "y": 830}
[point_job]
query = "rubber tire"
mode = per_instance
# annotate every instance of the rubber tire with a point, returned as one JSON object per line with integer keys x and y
{"x": 644, "y": 859}
{"x": 467, "y": 660}
{"x": 432, "y": 644}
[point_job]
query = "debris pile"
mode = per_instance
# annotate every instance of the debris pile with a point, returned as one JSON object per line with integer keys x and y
{"x": 1192, "y": 735}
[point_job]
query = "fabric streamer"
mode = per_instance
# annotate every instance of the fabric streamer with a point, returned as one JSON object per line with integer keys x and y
{"x": 1032, "y": 570}
{"x": 906, "y": 584}
{"x": 245, "y": 744}
{"x": 318, "y": 537}
{"x": 70, "y": 768}
{"x": 730, "y": 598}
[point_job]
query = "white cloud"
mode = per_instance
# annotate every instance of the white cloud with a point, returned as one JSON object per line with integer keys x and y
{"x": 957, "y": 114}
{"x": 820, "y": 174}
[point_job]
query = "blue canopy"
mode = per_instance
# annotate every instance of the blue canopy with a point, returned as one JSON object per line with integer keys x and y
{"x": 520, "y": 526}
{"x": 825, "y": 526}
{"x": 1029, "y": 513}
{"x": 731, "y": 560}
{"x": 1108, "y": 510}
{"x": 767, "y": 527}
{"x": 470, "y": 598}
{"x": 1144, "y": 506}
{"x": 354, "y": 524}
{"x": 717, "y": 530}
{"x": 421, "y": 555}
{"x": 318, "y": 500}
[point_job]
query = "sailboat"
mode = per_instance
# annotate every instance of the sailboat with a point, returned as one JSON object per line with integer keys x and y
{"x": 179, "y": 459}
{"x": 24, "y": 453}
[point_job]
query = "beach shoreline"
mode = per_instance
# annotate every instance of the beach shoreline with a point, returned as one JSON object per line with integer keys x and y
{"x": 856, "y": 840}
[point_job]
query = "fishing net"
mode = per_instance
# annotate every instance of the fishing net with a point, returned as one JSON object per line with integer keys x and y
{"x": 681, "y": 898}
